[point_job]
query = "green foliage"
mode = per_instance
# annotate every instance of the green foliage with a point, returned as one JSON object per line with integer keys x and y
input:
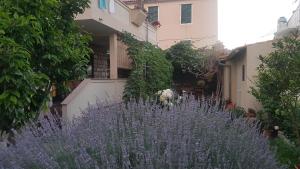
{"x": 186, "y": 59}
{"x": 278, "y": 87}
{"x": 40, "y": 44}
{"x": 238, "y": 112}
{"x": 151, "y": 71}
{"x": 286, "y": 153}
{"x": 20, "y": 85}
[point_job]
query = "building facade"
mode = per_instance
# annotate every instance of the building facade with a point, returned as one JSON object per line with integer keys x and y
{"x": 240, "y": 66}
{"x": 240, "y": 71}
{"x": 182, "y": 20}
{"x": 105, "y": 20}
{"x": 291, "y": 26}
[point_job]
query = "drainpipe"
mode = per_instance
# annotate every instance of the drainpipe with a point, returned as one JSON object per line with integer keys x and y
{"x": 147, "y": 33}
{"x": 229, "y": 78}
{"x": 229, "y": 83}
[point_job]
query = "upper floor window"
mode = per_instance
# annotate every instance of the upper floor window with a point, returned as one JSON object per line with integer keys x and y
{"x": 186, "y": 13}
{"x": 152, "y": 13}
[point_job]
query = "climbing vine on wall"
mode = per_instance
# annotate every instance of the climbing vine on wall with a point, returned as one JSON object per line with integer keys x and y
{"x": 151, "y": 71}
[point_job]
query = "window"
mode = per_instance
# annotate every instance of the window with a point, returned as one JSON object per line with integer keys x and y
{"x": 152, "y": 14}
{"x": 186, "y": 13}
{"x": 243, "y": 73}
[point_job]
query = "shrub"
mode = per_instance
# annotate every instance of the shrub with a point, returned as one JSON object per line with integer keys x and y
{"x": 286, "y": 152}
{"x": 193, "y": 134}
{"x": 238, "y": 112}
{"x": 196, "y": 68}
{"x": 151, "y": 71}
{"x": 184, "y": 57}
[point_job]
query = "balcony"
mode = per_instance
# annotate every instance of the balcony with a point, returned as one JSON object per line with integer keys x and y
{"x": 102, "y": 22}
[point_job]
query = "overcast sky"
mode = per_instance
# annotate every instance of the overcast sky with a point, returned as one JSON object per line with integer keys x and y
{"x": 248, "y": 21}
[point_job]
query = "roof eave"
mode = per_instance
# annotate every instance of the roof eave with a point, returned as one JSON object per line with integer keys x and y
{"x": 240, "y": 51}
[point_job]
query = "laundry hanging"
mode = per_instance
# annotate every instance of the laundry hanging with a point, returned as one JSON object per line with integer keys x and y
{"x": 111, "y": 7}
{"x": 102, "y": 4}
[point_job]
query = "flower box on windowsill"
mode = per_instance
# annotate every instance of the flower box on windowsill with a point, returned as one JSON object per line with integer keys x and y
{"x": 156, "y": 24}
{"x": 137, "y": 17}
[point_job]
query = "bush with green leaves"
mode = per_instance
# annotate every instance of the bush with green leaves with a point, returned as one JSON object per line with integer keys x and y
{"x": 286, "y": 152}
{"x": 40, "y": 45}
{"x": 238, "y": 111}
{"x": 195, "y": 69}
{"x": 186, "y": 59}
{"x": 151, "y": 71}
{"x": 142, "y": 135}
{"x": 20, "y": 85}
{"x": 278, "y": 87}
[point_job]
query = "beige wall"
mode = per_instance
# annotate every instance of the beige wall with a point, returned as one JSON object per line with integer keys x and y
{"x": 234, "y": 87}
{"x": 89, "y": 92}
{"x": 238, "y": 89}
{"x": 203, "y": 31}
{"x": 253, "y": 52}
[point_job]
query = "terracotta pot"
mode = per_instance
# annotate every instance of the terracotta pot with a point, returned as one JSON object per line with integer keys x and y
{"x": 250, "y": 115}
{"x": 270, "y": 134}
{"x": 267, "y": 133}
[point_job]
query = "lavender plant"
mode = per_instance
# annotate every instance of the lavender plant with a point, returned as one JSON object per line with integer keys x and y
{"x": 191, "y": 135}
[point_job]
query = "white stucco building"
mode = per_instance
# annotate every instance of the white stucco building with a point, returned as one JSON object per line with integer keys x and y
{"x": 286, "y": 27}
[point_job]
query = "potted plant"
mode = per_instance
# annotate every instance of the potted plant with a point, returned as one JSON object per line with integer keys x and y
{"x": 156, "y": 24}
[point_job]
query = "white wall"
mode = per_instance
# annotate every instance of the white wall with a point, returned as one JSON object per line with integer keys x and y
{"x": 294, "y": 21}
{"x": 89, "y": 92}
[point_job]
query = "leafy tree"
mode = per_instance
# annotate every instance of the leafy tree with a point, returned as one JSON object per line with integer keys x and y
{"x": 151, "y": 71}
{"x": 193, "y": 66}
{"x": 40, "y": 45}
{"x": 186, "y": 58}
{"x": 278, "y": 86}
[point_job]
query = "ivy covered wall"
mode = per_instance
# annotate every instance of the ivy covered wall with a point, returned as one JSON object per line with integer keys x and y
{"x": 151, "y": 71}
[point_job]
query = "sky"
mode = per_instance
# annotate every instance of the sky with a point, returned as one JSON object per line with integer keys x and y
{"x": 248, "y": 21}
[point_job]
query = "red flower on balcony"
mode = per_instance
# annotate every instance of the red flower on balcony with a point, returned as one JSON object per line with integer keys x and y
{"x": 156, "y": 23}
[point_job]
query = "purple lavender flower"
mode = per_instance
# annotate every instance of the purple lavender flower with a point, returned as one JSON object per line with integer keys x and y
{"x": 191, "y": 135}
